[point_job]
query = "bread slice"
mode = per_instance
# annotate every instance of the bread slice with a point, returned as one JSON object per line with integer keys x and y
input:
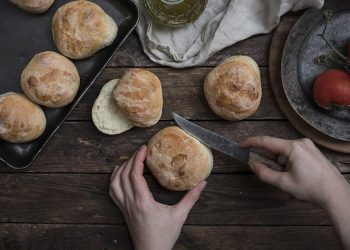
{"x": 105, "y": 115}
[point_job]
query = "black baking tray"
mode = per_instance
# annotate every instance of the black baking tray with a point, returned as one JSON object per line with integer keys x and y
{"x": 22, "y": 35}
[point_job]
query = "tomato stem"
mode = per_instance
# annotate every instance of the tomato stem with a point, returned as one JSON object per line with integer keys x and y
{"x": 334, "y": 49}
{"x": 336, "y": 56}
{"x": 337, "y": 107}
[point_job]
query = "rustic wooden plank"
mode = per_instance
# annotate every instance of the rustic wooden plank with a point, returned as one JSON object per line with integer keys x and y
{"x": 82, "y": 198}
{"x": 182, "y": 92}
{"x": 32, "y": 236}
{"x": 39, "y": 236}
{"x": 131, "y": 52}
{"x": 218, "y": 238}
{"x": 78, "y": 147}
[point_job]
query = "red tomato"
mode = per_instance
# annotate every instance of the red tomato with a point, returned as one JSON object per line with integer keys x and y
{"x": 332, "y": 87}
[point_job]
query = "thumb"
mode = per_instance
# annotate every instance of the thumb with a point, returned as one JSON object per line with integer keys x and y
{"x": 267, "y": 175}
{"x": 190, "y": 198}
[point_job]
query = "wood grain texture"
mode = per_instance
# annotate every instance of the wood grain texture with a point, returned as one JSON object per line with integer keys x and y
{"x": 80, "y": 198}
{"x": 182, "y": 93}
{"x": 78, "y": 147}
{"x": 65, "y": 190}
{"x": 51, "y": 237}
{"x": 131, "y": 53}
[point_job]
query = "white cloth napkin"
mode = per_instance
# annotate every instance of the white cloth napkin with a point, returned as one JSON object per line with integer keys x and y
{"x": 223, "y": 23}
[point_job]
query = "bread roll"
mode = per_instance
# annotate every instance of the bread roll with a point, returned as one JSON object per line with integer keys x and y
{"x": 178, "y": 161}
{"x": 233, "y": 89}
{"x": 105, "y": 115}
{"x": 20, "y": 119}
{"x": 34, "y": 6}
{"x": 50, "y": 79}
{"x": 139, "y": 96}
{"x": 81, "y": 28}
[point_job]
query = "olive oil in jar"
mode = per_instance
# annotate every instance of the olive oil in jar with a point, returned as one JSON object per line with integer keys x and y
{"x": 175, "y": 12}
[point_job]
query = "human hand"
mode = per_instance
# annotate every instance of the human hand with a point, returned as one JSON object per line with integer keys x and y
{"x": 152, "y": 225}
{"x": 309, "y": 175}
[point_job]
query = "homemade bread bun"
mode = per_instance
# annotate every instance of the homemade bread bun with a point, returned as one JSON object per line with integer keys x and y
{"x": 105, "y": 115}
{"x": 81, "y": 28}
{"x": 233, "y": 89}
{"x": 139, "y": 97}
{"x": 50, "y": 79}
{"x": 20, "y": 119}
{"x": 178, "y": 161}
{"x": 34, "y": 6}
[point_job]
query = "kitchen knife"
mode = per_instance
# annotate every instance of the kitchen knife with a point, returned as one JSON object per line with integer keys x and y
{"x": 224, "y": 145}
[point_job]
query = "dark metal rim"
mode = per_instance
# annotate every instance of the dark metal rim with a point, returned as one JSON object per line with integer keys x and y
{"x": 289, "y": 74}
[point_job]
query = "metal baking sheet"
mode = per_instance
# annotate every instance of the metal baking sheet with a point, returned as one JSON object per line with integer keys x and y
{"x": 22, "y": 35}
{"x": 299, "y": 70}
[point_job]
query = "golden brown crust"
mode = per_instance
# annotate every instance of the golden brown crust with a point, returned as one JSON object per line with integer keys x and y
{"x": 81, "y": 28}
{"x": 178, "y": 161}
{"x": 20, "y": 119}
{"x": 233, "y": 89}
{"x": 139, "y": 97}
{"x": 34, "y": 6}
{"x": 50, "y": 79}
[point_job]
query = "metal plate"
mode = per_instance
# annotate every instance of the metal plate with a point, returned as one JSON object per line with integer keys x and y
{"x": 299, "y": 70}
{"x": 22, "y": 36}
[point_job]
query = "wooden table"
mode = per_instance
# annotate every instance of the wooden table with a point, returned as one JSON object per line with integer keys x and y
{"x": 61, "y": 201}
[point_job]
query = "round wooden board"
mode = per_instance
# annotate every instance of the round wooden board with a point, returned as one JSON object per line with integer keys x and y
{"x": 276, "y": 49}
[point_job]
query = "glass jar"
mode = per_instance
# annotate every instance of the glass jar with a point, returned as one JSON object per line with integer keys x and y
{"x": 175, "y": 12}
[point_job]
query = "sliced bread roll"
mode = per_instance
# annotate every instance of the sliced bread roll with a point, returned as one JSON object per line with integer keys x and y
{"x": 134, "y": 100}
{"x": 106, "y": 117}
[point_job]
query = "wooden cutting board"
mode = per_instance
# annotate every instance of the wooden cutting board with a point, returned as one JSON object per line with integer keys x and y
{"x": 276, "y": 49}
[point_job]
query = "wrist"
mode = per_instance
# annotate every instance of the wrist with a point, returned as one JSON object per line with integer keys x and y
{"x": 149, "y": 245}
{"x": 337, "y": 208}
{"x": 339, "y": 195}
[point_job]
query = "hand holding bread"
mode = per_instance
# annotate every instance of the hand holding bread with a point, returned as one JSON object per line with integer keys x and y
{"x": 153, "y": 225}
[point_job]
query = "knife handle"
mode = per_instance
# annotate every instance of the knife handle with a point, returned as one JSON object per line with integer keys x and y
{"x": 254, "y": 157}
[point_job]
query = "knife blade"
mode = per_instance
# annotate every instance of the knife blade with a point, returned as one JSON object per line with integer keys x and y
{"x": 224, "y": 145}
